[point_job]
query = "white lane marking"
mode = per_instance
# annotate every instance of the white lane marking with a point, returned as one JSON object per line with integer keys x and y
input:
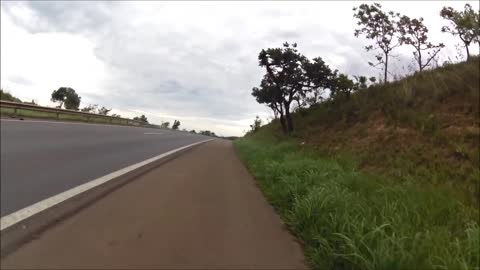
{"x": 33, "y": 209}
{"x": 152, "y": 133}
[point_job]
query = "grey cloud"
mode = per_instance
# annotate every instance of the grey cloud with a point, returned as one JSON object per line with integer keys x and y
{"x": 180, "y": 66}
{"x": 63, "y": 16}
{"x": 20, "y": 80}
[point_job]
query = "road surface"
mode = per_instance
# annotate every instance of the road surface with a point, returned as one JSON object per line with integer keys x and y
{"x": 201, "y": 210}
{"x": 40, "y": 159}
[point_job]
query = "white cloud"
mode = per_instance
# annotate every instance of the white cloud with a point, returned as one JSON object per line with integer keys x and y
{"x": 192, "y": 61}
{"x": 33, "y": 65}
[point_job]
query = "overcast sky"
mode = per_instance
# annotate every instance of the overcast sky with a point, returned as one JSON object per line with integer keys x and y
{"x": 191, "y": 61}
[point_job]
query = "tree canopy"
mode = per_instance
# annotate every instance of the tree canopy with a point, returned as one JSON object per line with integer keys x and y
{"x": 176, "y": 124}
{"x": 464, "y": 24}
{"x": 165, "y": 124}
{"x": 414, "y": 32}
{"x": 290, "y": 76}
{"x": 103, "y": 111}
{"x": 67, "y": 97}
{"x": 381, "y": 27}
{"x": 142, "y": 118}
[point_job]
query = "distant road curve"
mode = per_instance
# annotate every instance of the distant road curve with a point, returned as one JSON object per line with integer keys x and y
{"x": 40, "y": 159}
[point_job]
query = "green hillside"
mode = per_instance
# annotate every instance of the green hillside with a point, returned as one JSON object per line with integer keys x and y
{"x": 386, "y": 179}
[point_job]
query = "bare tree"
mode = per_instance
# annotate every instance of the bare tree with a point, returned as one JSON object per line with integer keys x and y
{"x": 382, "y": 28}
{"x": 414, "y": 33}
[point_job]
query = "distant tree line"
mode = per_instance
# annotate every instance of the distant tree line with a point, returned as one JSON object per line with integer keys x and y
{"x": 67, "y": 98}
{"x": 292, "y": 79}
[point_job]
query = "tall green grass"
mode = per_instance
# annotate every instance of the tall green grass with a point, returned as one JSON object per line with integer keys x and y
{"x": 351, "y": 220}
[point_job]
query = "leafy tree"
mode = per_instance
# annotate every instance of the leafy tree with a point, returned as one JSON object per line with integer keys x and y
{"x": 5, "y": 95}
{"x": 289, "y": 77}
{"x": 165, "y": 124}
{"x": 414, "y": 32}
{"x": 207, "y": 133}
{"x": 67, "y": 97}
{"x": 271, "y": 96}
{"x": 90, "y": 108}
{"x": 343, "y": 87}
{"x": 142, "y": 118}
{"x": 116, "y": 115}
{"x": 176, "y": 124}
{"x": 257, "y": 123}
{"x": 382, "y": 28}
{"x": 103, "y": 111}
{"x": 464, "y": 24}
{"x": 364, "y": 82}
{"x": 193, "y": 131}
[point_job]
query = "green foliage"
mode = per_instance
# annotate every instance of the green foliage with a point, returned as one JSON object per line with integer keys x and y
{"x": 66, "y": 96}
{"x": 176, "y": 124}
{"x": 290, "y": 76}
{"x": 207, "y": 133}
{"x": 257, "y": 123}
{"x": 143, "y": 119}
{"x": 103, "y": 111}
{"x": 94, "y": 109}
{"x": 464, "y": 24}
{"x": 165, "y": 124}
{"x": 89, "y": 109}
{"x": 351, "y": 220}
{"x": 5, "y": 95}
{"x": 423, "y": 128}
{"x": 344, "y": 86}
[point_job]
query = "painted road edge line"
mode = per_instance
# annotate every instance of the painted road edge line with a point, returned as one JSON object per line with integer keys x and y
{"x": 35, "y": 208}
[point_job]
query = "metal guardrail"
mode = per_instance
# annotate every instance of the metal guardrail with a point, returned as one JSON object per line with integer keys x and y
{"x": 89, "y": 116}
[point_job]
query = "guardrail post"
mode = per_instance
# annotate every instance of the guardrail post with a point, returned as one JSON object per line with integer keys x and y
{"x": 58, "y": 116}
{"x": 15, "y": 112}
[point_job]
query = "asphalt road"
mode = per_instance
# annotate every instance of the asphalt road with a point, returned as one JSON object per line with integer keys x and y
{"x": 209, "y": 216}
{"x": 40, "y": 159}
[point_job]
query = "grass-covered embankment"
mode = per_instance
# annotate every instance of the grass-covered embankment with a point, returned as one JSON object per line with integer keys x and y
{"x": 352, "y": 220}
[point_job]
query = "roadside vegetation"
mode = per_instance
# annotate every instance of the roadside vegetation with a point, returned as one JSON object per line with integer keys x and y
{"x": 68, "y": 98}
{"x": 5, "y": 95}
{"x": 375, "y": 173}
{"x": 353, "y": 220}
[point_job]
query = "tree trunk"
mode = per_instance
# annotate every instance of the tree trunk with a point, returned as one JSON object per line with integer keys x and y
{"x": 420, "y": 60}
{"x": 468, "y": 51}
{"x": 282, "y": 122}
{"x": 288, "y": 117}
{"x": 386, "y": 69}
{"x": 282, "y": 118}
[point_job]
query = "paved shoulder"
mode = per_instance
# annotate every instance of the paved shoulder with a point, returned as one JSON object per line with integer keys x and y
{"x": 201, "y": 210}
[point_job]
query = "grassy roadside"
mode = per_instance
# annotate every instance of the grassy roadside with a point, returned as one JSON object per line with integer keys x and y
{"x": 352, "y": 220}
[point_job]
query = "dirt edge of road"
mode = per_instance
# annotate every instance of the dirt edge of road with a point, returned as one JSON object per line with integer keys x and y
{"x": 22, "y": 232}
